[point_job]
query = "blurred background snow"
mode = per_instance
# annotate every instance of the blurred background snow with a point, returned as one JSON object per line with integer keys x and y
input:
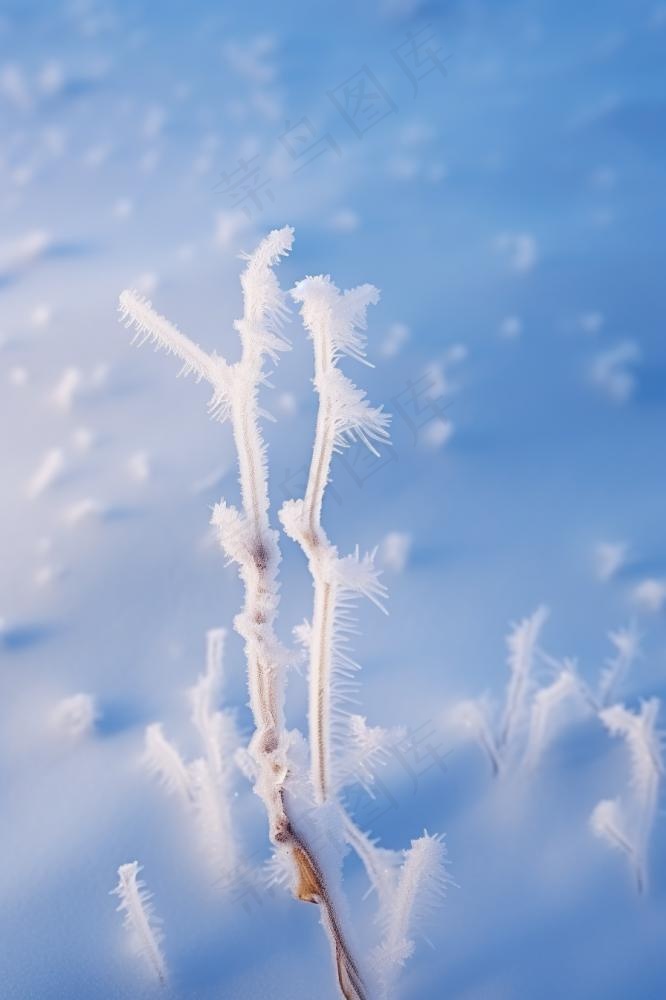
{"x": 498, "y": 171}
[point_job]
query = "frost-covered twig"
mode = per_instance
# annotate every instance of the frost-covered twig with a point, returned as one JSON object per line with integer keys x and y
{"x": 140, "y": 921}
{"x": 627, "y": 822}
{"x": 138, "y": 313}
{"x": 335, "y": 323}
{"x": 250, "y": 542}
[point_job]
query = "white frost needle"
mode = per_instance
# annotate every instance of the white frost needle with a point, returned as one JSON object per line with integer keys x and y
{"x": 140, "y": 921}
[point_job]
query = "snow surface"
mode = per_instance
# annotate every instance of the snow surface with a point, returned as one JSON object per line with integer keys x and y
{"x": 513, "y": 208}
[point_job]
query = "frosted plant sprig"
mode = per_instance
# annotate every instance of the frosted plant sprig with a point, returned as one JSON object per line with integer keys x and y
{"x": 608, "y": 823}
{"x": 627, "y": 822}
{"x": 422, "y": 883}
{"x": 534, "y": 713}
{"x": 163, "y": 759}
{"x": 144, "y": 928}
{"x": 627, "y": 644}
{"x": 380, "y": 863}
{"x": 335, "y": 322}
{"x": 137, "y": 312}
{"x": 212, "y": 775}
{"x": 212, "y": 725}
{"x": 251, "y": 543}
{"x": 522, "y": 645}
{"x": 501, "y": 740}
{"x": 546, "y": 709}
{"x": 475, "y": 716}
{"x": 206, "y": 784}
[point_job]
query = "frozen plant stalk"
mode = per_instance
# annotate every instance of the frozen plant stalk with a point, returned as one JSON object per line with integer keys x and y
{"x": 335, "y": 323}
{"x": 143, "y": 927}
{"x": 421, "y": 885}
{"x": 206, "y": 784}
{"x": 626, "y": 822}
{"x": 522, "y": 644}
{"x": 304, "y": 815}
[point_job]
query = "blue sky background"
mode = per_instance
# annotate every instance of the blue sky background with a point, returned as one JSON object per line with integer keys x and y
{"x": 512, "y": 209}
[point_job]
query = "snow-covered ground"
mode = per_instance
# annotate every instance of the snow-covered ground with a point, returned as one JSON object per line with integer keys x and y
{"x": 506, "y": 192}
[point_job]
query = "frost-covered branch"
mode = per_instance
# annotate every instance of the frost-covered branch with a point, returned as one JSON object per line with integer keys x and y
{"x": 140, "y": 921}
